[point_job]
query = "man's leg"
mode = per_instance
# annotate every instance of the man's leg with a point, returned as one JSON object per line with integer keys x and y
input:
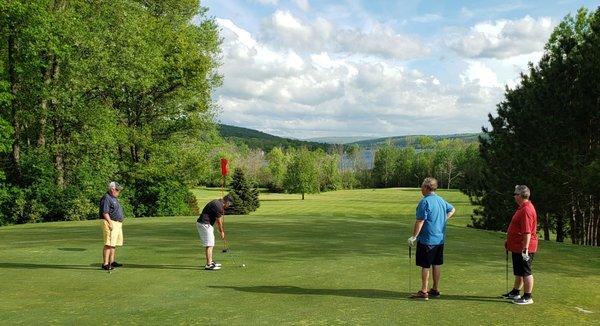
{"x": 424, "y": 279}
{"x": 528, "y": 280}
{"x": 437, "y": 271}
{"x": 208, "y": 252}
{"x": 518, "y": 282}
{"x": 112, "y": 254}
{"x": 106, "y": 255}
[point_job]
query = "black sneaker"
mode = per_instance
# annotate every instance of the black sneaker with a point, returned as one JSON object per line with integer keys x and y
{"x": 511, "y": 295}
{"x": 107, "y": 267}
{"x": 434, "y": 293}
{"x": 115, "y": 264}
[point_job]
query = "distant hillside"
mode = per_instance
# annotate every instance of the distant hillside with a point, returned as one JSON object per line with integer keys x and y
{"x": 403, "y": 141}
{"x": 257, "y": 139}
{"x": 338, "y": 140}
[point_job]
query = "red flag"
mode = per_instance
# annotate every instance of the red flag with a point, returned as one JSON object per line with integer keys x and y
{"x": 224, "y": 167}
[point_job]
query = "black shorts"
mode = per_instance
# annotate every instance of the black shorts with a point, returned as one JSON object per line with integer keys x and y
{"x": 428, "y": 255}
{"x": 520, "y": 266}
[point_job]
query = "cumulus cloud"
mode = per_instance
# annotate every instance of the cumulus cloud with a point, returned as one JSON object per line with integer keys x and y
{"x": 295, "y": 94}
{"x": 501, "y": 39}
{"x": 481, "y": 74}
{"x": 286, "y": 30}
{"x": 303, "y": 4}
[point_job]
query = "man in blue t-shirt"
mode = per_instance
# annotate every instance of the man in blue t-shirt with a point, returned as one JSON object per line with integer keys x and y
{"x": 430, "y": 229}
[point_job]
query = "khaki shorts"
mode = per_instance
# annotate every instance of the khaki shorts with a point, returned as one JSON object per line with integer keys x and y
{"x": 206, "y": 233}
{"x": 115, "y": 237}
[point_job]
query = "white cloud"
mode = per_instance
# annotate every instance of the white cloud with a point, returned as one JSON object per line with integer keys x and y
{"x": 301, "y": 95}
{"x": 321, "y": 35}
{"x": 502, "y": 38}
{"x": 481, "y": 74}
{"x": 303, "y": 4}
{"x": 285, "y": 20}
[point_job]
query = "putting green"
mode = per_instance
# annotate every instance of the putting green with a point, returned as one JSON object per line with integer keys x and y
{"x": 334, "y": 258}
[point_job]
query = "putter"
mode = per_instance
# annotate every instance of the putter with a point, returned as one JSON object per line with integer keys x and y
{"x": 225, "y": 246}
{"x": 409, "y": 267}
{"x": 507, "y": 271}
{"x": 227, "y": 249}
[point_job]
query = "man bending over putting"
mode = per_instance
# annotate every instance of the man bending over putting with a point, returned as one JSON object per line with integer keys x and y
{"x": 212, "y": 212}
{"x": 430, "y": 229}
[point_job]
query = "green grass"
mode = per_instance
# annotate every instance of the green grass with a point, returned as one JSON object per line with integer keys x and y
{"x": 334, "y": 258}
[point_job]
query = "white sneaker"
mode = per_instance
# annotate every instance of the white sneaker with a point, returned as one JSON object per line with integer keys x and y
{"x": 216, "y": 264}
{"x": 523, "y": 301}
{"x": 212, "y": 267}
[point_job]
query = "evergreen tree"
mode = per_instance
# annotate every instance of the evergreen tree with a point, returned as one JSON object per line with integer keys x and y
{"x": 545, "y": 135}
{"x": 245, "y": 197}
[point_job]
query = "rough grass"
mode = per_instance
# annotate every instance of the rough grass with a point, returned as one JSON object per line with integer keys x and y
{"x": 334, "y": 258}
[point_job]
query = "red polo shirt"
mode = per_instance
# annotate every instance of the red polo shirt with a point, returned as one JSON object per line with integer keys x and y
{"x": 524, "y": 221}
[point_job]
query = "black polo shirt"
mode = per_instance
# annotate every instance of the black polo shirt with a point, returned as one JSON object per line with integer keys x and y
{"x": 211, "y": 212}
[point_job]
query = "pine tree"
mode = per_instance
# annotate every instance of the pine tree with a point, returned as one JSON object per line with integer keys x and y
{"x": 245, "y": 196}
{"x": 545, "y": 135}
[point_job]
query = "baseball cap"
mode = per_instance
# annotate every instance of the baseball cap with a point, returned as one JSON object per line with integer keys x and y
{"x": 115, "y": 185}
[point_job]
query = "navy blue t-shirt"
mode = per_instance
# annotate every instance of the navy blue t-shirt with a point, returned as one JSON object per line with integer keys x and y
{"x": 110, "y": 205}
{"x": 211, "y": 212}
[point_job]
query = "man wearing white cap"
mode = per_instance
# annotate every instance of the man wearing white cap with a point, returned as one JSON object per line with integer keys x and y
{"x": 112, "y": 217}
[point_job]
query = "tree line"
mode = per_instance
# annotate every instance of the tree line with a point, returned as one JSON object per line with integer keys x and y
{"x": 305, "y": 171}
{"x": 546, "y": 134}
{"x": 93, "y": 91}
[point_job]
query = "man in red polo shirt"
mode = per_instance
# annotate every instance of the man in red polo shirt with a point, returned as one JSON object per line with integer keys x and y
{"x": 522, "y": 243}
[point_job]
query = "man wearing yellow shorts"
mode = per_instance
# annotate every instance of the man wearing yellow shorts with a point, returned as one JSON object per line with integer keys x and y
{"x": 112, "y": 217}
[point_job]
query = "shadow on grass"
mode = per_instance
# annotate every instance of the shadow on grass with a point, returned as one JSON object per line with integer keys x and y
{"x": 354, "y": 293}
{"x": 92, "y": 266}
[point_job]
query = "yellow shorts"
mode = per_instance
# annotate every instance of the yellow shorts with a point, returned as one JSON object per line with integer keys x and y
{"x": 115, "y": 237}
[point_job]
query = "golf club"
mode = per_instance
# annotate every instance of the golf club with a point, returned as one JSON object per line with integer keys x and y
{"x": 507, "y": 271}
{"x": 227, "y": 249}
{"x": 225, "y": 246}
{"x": 409, "y": 267}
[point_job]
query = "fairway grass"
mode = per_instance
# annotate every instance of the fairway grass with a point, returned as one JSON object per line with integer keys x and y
{"x": 334, "y": 258}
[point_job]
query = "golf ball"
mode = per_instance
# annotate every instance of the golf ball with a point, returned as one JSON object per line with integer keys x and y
{"x": 243, "y": 265}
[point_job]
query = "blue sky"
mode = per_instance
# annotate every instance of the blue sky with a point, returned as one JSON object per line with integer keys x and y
{"x": 304, "y": 68}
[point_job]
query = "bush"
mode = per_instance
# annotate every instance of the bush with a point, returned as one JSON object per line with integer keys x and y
{"x": 157, "y": 194}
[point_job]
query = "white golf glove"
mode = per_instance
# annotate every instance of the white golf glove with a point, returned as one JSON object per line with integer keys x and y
{"x": 411, "y": 241}
{"x": 525, "y": 254}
